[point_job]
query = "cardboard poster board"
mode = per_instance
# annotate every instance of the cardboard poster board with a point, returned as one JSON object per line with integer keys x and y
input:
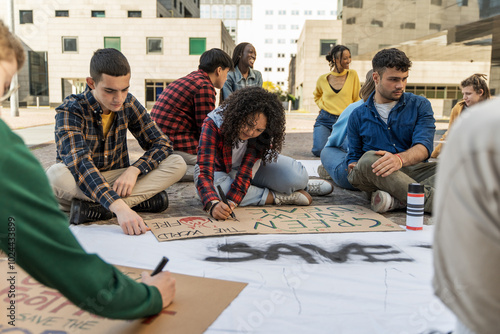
{"x": 41, "y": 310}
{"x": 275, "y": 220}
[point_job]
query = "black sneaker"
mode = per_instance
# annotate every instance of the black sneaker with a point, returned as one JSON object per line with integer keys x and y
{"x": 84, "y": 211}
{"x": 157, "y": 203}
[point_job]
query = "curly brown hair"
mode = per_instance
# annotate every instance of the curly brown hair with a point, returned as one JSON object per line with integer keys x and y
{"x": 241, "y": 109}
{"x": 478, "y": 83}
{"x": 10, "y": 47}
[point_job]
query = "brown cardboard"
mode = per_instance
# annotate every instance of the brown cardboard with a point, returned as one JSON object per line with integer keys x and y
{"x": 38, "y": 309}
{"x": 275, "y": 220}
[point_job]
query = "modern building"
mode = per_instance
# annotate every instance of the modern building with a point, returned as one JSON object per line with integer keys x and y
{"x": 438, "y": 65}
{"x": 274, "y": 30}
{"x": 229, "y": 11}
{"x": 60, "y": 38}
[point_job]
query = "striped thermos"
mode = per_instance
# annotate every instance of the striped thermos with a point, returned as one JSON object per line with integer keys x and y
{"x": 415, "y": 207}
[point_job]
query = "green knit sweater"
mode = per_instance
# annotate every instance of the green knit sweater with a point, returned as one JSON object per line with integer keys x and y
{"x": 47, "y": 250}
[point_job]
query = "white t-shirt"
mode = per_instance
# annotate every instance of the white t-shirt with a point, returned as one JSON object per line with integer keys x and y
{"x": 384, "y": 109}
{"x": 237, "y": 157}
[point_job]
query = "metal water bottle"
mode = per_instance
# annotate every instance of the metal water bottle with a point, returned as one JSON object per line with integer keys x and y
{"x": 415, "y": 207}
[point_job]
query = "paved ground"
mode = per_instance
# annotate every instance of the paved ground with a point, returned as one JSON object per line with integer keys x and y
{"x": 182, "y": 196}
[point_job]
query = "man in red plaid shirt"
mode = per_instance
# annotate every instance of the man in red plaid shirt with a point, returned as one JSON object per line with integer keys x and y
{"x": 182, "y": 107}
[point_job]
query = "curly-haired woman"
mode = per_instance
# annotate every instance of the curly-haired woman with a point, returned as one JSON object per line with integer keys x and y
{"x": 334, "y": 91}
{"x": 239, "y": 150}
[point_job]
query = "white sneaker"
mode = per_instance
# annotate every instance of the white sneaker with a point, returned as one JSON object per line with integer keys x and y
{"x": 318, "y": 187}
{"x": 323, "y": 173}
{"x": 300, "y": 197}
{"x": 383, "y": 201}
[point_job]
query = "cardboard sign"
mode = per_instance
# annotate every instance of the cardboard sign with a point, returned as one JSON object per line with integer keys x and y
{"x": 41, "y": 310}
{"x": 275, "y": 219}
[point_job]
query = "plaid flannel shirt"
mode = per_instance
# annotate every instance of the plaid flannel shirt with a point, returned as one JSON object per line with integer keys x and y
{"x": 214, "y": 155}
{"x": 182, "y": 107}
{"x": 81, "y": 145}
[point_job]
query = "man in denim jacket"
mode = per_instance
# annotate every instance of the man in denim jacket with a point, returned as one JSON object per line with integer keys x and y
{"x": 391, "y": 137}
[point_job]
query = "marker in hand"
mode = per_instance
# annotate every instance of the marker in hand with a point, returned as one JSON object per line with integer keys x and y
{"x": 224, "y": 199}
{"x": 160, "y": 266}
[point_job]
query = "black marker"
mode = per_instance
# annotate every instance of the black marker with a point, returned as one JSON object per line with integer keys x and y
{"x": 224, "y": 199}
{"x": 160, "y": 266}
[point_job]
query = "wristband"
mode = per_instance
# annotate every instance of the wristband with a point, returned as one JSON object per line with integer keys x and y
{"x": 400, "y": 160}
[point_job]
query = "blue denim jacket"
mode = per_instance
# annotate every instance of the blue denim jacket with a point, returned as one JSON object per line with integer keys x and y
{"x": 410, "y": 122}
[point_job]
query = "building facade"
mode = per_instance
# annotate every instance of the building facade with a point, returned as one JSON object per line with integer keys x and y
{"x": 60, "y": 38}
{"x": 229, "y": 11}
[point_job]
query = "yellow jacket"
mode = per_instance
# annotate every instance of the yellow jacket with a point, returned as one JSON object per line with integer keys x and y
{"x": 455, "y": 112}
{"x": 334, "y": 103}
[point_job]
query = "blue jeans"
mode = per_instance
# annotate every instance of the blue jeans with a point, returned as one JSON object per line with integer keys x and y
{"x": 283, "y": 176}
{"x": 334, "y": 159}
{"x": 322, "y": 130}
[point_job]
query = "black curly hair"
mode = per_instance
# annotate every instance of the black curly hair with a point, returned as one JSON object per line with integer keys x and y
{"x": 390, "y": 58}
{"x": 241, "y": 109}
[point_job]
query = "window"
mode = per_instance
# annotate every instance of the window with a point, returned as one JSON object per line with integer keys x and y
{"x": 175, "y": 4}
{"x": 268, "y": 55}
{"x": 436, "y": 92}
{"x": 321, "y": 12}
{"x": 280, "y": 83}
{"x": 326, "y": 45}
{"x": 351, "y": 20}
{"x": 281, "y": 41}
{"x": 407, "y": 25}
{"x": 281, "y": 26}
{"x": 282, "y": 12}
{"x": 308, "y": 12}
{"x": 269, "y": 12}
{"x": 217, "y": 12}
{"x": 112, "y": 42}
{"x": 134, "y": 13}
{"x": 437, "y": 2}
{"x": 69, "y": 44}
{"x": 204, "y": 11}
{"x": 293, "y": 41}
{"x": 268, "y": 69}
{"x": 281, "y": 69}
{"x": 245, "y": 12}
{"x": 281, "y": 55}
{"x": 377, "y": 23}
{"x": 295, "y": 12}
{"x": 25, "y": 16}
{"x": 197, "y": 45}
{"x": 353, "y": 3}
{"x": 180, "y": 7}
{"x": 62, "y": 13}
{"x": 230, "y": 12}
{"x": 38, "y": 74}
{"x": 154, "y": 45}
{"x": 268, "y": 27}
{"x": 268, "y": 41}
{"x": 294, "y": 27}
{"x": 463, "y": 3}
{"x": 98, "y": 13}
{"x": 435, "y": 26}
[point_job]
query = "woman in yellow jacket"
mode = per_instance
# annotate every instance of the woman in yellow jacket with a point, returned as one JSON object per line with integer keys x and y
{"x": 474, "y": 90}
{"x": 334, "y": 91}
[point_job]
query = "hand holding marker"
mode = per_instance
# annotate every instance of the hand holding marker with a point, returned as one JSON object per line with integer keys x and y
{"x": 224, "y": 199}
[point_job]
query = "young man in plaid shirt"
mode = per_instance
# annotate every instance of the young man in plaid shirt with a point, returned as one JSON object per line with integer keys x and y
{"x": 182, "y": 107}
{"x": 93, "y": 177}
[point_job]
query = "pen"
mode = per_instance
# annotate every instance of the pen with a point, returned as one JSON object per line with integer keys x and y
{"x": 160, "y": 266}
{"x": 224, "y": 199}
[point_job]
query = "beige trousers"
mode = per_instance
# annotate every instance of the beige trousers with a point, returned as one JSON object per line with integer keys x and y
{"x": 190, "y": 160}
{"x": 168, "y": 172}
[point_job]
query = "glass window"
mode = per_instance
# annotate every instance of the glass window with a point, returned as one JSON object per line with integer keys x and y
{"x": 437, "y": 2}
{"x": 70, "y": 44}
{"x": 217, "y": 11}
{"x": 281, "y": 26}
{"x": 154, "y": 45}
{"x": 38, "y": 74}
{"x": 25, "y": 16}
{"x": 134, "y": 13}
{"x": 268, "y": 55}
{"x": 112, "y": 42}
{"x": 281, "y": 41}
{"x": 197, "y": 45}
{"x": 326, "y": 45}
{"x": 269, "y": 12}
{"x": 245, "y": 12}
{"x": 62, "y": 13}
{"x": 282, "y": 12}
{"x": 463, "y": 3}
{"x": 353, "y": 3}
{"x": 295, "y": 12}
{"x": 308, "y": 12}
{"x": 230, "y": 12}
{"x": 321, "y": 12}
{"x": 268, "y": 27}
{"x": 268, "y": 69}
{"x": 351, "y": 20}
{"x": 204, "y": 11}
{"x": 435, "y": 26}
{"x": 98, "y": 13}
{"x": 295, "y": 27}
{"x": 377, "y": 23}
{"x": 407, "y": 25}
{"x": 268, "y": 41}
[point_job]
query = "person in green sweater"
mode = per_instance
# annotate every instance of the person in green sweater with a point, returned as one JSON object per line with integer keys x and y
{"x": 38, "y": 238}
{"x": 334, "y": 91}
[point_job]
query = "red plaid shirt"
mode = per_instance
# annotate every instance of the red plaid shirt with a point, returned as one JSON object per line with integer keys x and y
{"x": 214, "y": 155}
{"x": 182, "y": 107}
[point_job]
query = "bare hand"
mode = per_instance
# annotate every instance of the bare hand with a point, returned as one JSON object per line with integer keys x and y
{"x": 165, "y": 284}
{"x": 126, "y": 182}
{"x": 222, "y": 211}
{"x": 387, "y": 164}
{"x": 351, "y": 166}
{"x": 130, "y": 222}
